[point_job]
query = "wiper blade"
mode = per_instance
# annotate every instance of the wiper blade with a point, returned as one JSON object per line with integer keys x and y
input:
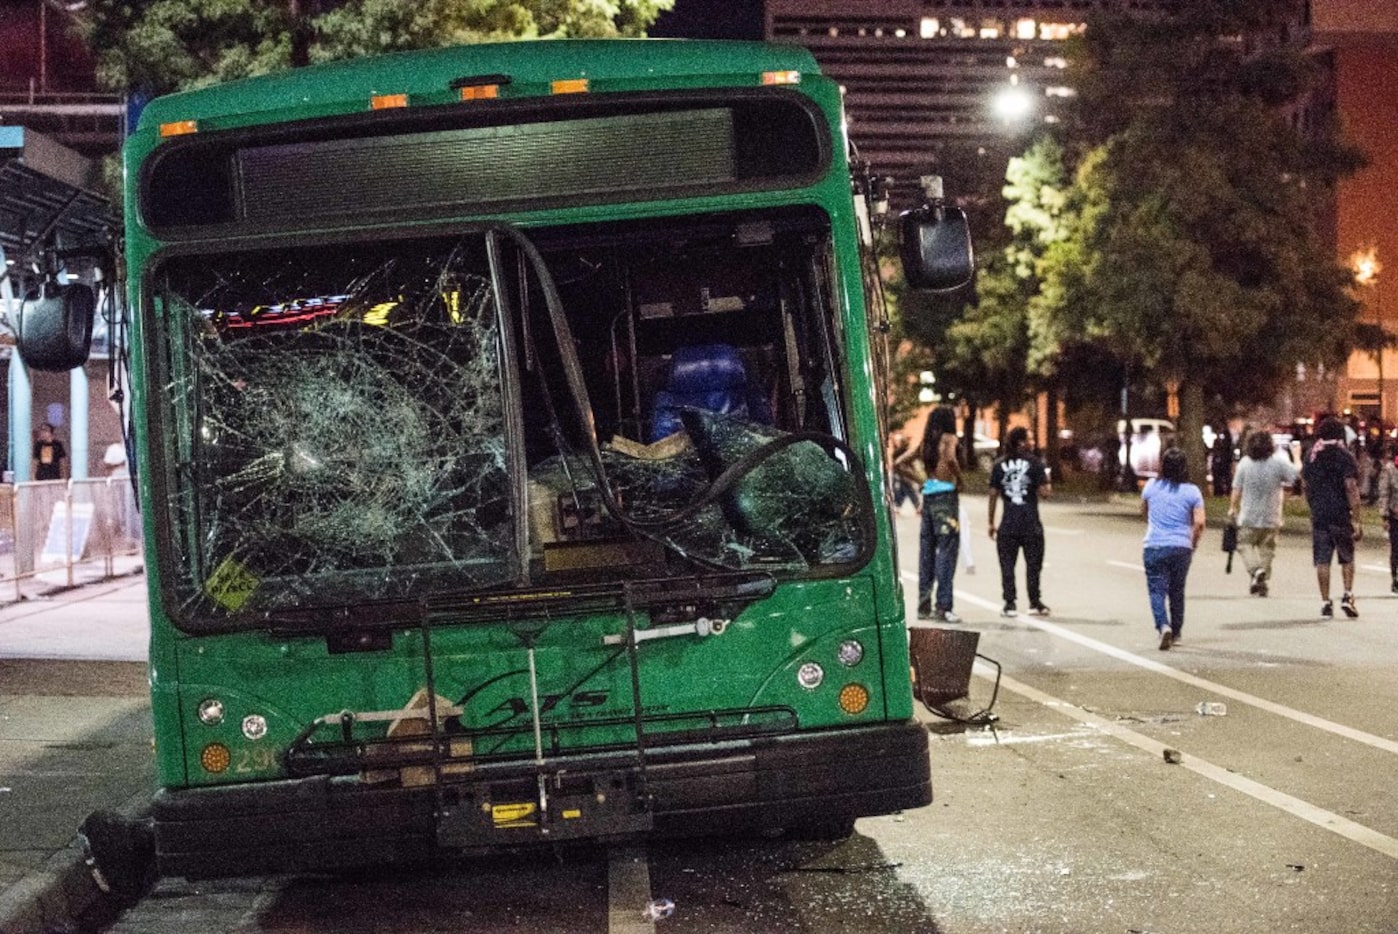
{"x": 330, "y": 617}
{"x": 550, "y": 601}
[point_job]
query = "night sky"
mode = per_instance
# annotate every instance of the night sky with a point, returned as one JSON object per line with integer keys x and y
{"x": 711, "y": 19}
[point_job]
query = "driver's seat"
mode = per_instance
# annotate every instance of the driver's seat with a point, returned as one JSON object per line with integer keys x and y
{"x": 706, "y": 376}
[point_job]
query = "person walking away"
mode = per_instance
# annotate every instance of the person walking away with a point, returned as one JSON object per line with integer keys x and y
{"x": 1255, "y": 505}
{"x": 50, "y": 461}
{"x": 1019, "y": 478}
{"x": 1174, "y": 512}
{"x": 939, "y": 536}
{"x": 1388, "y": 507}
{"x": 1221, "y": 461}
{"x": 1330, "y": 478}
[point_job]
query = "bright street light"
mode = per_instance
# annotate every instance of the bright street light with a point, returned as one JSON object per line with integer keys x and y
{"x": 1012, "y": 103}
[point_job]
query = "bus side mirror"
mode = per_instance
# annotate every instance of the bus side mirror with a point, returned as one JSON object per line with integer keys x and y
{"x": 54, "y": 330}
{"x": 936, "y": 248}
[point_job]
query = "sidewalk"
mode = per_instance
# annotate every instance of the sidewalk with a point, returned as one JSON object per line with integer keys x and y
{"x": 75, "y": 736}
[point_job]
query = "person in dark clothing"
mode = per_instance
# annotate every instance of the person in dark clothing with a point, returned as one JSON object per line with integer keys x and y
{"x": 1221, "y": 462}
{"x": 50, "y": 457}
{"x": 1019, "y": 478}
{"x": 1330, "y": 478}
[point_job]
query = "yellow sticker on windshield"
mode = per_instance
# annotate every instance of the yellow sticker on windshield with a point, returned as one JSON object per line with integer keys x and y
{"x": 513, "y": 815}
{"x": 231, "y": 584}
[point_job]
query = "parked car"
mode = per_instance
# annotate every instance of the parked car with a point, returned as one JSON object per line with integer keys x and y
{"x": 1148, "y": 438}
{"x": 986, "y": 449}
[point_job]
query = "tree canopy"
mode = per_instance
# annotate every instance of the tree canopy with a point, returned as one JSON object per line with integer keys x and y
{"x": 157, "y": 46}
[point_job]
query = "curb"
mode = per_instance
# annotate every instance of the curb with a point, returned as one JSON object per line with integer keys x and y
{"x": 57, "y": 896}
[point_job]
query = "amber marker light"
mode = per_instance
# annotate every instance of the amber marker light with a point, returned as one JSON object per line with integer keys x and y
{"x": 388, "y": 101}
{"x": 179, "y": 128}
{"x": 781, "y": 77}
{"x": 854, "y": 698}
{"x": 480, "y": 92}
{"x": 570, "y": 86}
{"x": 215, "y": 758}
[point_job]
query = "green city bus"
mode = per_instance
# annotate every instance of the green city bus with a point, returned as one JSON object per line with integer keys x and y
{"x": 510, "y": 455}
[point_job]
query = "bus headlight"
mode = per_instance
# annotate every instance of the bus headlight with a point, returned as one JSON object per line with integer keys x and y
{"x": 211, "y": 711}
{"x": 850, "y": 654}
{"x": 254, "y": 726}
{"x": 810, "y": 676}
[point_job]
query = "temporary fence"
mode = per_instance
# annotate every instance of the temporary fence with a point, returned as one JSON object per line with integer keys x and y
{"x": 52, "y": 527}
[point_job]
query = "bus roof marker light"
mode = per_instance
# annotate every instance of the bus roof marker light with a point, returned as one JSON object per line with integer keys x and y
{"x": 179, "y": 128}
{"x": 570, "y": 86}
{"x": 388, "y": 101}
{"x": 781, "y": 77}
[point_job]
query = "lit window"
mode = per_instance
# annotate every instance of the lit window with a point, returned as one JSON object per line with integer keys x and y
{"x": 1055, "y": 61}
{"x": 1025, "y": 28}
{"x": 1010, "y": 62}
{"x": 929, "y": 28}
{"x": 1059, "y": 90}
{"x": 900, "y": 33}
{"x": 1056, "y": 31}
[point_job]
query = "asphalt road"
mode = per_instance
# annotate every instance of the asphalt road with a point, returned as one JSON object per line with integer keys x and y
{"x": 1066, "y": 817}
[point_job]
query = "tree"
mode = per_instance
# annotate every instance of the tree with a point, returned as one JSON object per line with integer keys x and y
{"x": 1194, "y": 254}
{"x": 157, "y": 46}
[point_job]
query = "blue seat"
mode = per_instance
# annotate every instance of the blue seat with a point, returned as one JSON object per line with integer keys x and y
{"x": 710, "y": 377}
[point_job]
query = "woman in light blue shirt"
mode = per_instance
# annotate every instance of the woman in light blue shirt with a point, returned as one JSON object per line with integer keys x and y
{"x": 1174, "y": 511}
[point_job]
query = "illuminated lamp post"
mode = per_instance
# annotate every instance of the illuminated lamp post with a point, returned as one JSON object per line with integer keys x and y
{"x": 1012, "y": 103}
{"x": 1366, "y": 267}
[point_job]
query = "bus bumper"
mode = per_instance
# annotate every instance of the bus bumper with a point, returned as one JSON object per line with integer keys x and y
{"x": 324, "y": 822}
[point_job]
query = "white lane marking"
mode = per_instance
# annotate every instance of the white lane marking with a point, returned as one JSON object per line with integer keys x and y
{"x": 1128, "y": 565}
{"x": 1320, "y": 723}
{"x": 1379, "y": 568}
{"x": 1322, "y": 818}
{"x": 628, "y": 891}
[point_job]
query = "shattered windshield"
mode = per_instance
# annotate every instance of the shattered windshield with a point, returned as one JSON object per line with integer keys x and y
{"x": 350, "y": 423}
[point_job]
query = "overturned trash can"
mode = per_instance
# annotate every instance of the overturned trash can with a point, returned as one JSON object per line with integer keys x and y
{"x": 941, "y": 661}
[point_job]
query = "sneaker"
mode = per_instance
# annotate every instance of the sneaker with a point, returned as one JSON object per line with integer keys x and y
{"x": 1347, "y": 604}
{"x": 1262, "y": 587}
{"x": 1009, "y": 611}
{"x": 1327, "y": 610}
{"x": 1174, "y": 638}
{"x": 1395, "y": 585}
{"x": 924, "y": 611}
{"x": 1039, "y": 608}
{"x": 947, "y": 616}
{"x": 1166, "y": 638}
{"x": 1256, "y": 586}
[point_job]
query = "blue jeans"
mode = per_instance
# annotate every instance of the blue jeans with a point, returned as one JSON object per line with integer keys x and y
{"x": 939, "y": 543}
{"x": 1166, "y": 570}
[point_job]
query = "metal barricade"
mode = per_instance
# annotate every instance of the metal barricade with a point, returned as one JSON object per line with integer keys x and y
{"x": 58, "y": 525}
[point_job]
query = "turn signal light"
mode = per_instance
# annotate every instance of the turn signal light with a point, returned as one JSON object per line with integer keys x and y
{"x": 215, "y": 758}
{"x": 480, "y": 92}
{"x": 854, "y": 698}
{"x": 781, "y": 77}
{"x": 387, "y": 101}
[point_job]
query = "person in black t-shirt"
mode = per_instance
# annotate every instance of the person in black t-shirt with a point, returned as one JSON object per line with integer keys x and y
{"x": 1019, "y": 478}
{"x": 50, "y": 457}
{"x": 1330, "y": 478}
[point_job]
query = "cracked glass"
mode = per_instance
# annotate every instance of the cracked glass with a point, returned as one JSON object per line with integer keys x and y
{"x": 360, "y": 422}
